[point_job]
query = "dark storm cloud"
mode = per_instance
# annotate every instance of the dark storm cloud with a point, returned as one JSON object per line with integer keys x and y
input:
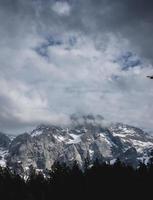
{"x": 132, "y": 19}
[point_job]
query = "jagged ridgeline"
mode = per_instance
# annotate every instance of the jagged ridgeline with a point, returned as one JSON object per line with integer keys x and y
{"x": 85, "y": 138}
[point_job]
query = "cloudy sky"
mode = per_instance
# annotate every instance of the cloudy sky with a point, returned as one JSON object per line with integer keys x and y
{"x": 59, "y": 57}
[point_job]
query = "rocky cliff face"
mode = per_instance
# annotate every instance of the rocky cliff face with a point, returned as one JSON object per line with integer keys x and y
{"x": 85, "y": 138}
{"x": 4, "y": 146}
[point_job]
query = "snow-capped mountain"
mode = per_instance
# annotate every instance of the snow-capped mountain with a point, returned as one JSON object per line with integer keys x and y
{"x": 86, "y": 138}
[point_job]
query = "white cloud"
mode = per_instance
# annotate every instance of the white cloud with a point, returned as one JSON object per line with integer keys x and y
{"x": 62, "y": 8}
{"x": 78, "y": 74}
{"x": 78, "y": 78}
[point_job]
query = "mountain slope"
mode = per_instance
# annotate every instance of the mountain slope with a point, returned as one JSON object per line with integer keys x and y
{"x": 85, "y": 139}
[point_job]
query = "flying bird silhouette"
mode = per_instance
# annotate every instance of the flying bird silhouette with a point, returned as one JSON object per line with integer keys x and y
{"x": 151, "y": 77}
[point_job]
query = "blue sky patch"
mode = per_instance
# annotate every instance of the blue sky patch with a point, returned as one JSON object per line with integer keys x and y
{"x": 128, "y": 60}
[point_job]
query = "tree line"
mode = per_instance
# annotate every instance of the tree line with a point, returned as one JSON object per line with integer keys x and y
{"x": 99, "y": 181}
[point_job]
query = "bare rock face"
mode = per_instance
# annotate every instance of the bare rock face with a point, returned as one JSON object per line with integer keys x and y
{"x": 4, "y": 141}
{"x": 4, "y": 145}
{"x": 85, "y": 138}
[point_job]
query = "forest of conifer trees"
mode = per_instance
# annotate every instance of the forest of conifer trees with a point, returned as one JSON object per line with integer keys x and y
{"x": 101, "y": 181}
